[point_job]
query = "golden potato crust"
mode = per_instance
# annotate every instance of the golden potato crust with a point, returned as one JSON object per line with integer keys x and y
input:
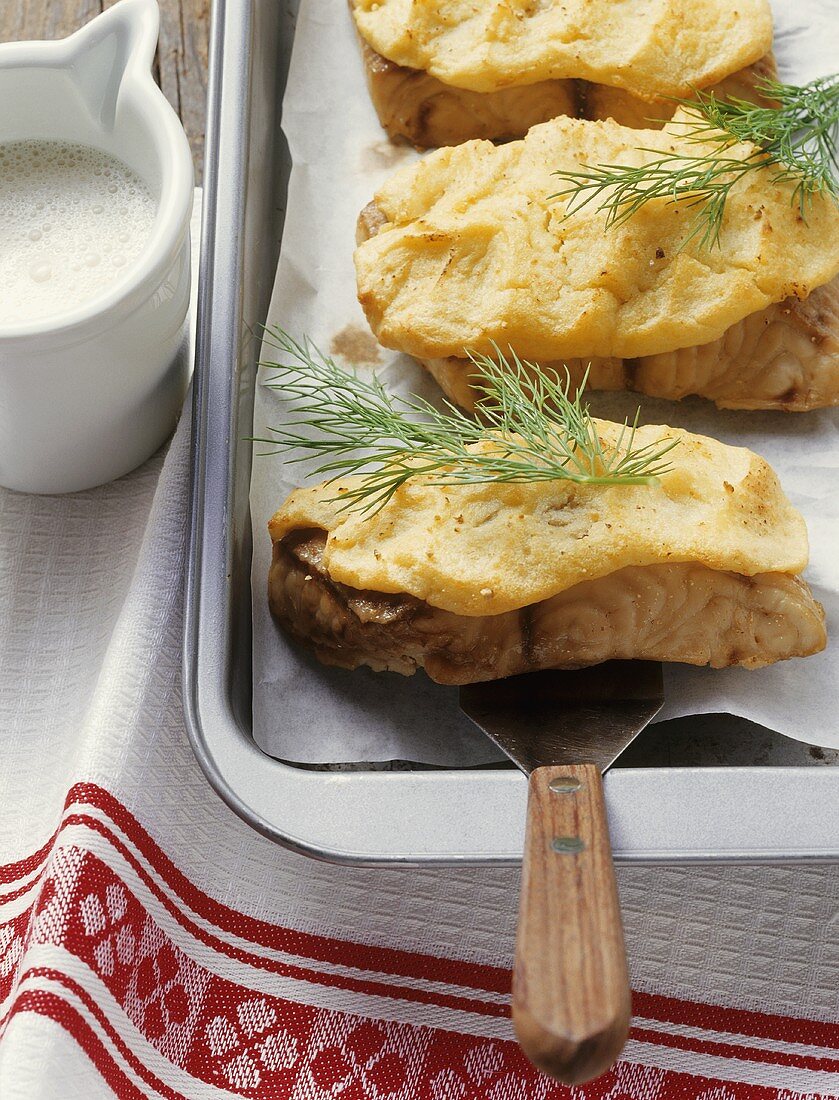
{"x": 490, "y": 548}
{"x": 474, "y": 252}
{"x": 416, "y": 107}
{"x": 653, "y": 48}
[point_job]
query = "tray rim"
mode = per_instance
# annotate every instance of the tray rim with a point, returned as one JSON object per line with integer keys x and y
{"x": 276, "y": 798}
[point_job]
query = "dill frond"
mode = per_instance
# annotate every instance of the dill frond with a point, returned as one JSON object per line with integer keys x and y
{"x": 794, "y": 133}
{"x": 530, "y": 429}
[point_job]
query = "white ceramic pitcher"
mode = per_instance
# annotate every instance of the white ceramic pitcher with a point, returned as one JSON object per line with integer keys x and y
{"x": 90, "y": 394}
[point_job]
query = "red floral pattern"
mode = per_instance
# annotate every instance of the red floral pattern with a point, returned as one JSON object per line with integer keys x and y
{"x": 249, "y": 1042}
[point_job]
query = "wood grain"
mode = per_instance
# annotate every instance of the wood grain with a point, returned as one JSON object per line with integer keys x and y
{"x": 181, "y": 57}
{"x": 571, "y": 999}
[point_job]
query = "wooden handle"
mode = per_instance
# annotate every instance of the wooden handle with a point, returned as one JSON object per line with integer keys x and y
{"x": 571, "y": 999}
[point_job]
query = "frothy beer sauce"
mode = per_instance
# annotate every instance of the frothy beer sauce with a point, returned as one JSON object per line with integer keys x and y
{"x": 73, "y": 221}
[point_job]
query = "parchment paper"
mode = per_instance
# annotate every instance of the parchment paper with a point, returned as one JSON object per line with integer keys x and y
{"x": 308, "y": 713}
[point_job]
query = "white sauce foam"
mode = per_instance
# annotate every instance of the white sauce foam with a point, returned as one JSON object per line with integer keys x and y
{"x": 73, "y": 220}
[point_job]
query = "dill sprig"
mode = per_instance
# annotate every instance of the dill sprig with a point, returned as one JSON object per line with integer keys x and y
{"x": 530, "y": 429}
{"x": 795, "y": 132}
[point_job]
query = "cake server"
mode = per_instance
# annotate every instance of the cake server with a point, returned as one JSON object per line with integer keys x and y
{"x": 571, "y": 1000}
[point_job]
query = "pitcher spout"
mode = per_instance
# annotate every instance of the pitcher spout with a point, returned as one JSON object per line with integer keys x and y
{"x": 114, "y": 48}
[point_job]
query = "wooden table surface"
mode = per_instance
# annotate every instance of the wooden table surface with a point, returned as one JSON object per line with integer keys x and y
{"x": 181, "y": 56}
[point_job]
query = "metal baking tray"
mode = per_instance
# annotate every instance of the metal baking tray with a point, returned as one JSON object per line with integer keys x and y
{"x": 695, "y": 790}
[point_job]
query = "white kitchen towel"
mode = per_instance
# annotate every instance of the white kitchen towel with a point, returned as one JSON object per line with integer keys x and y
{"x": 153, "y": 945}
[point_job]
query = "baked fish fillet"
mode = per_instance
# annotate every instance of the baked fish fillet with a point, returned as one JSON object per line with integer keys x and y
{"x": 685, "y": 613}
{"x": 478, "y": 582}
{"x": 416, "y": 107}
{"x": 599, "y": 101}
{"x": 653, "y": 48}
{"x": 785, "y": 357}
{"x": 465, "y": 250}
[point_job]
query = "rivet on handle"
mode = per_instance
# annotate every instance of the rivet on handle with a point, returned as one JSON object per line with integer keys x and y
{"x": 567, "y": 844}
{"x": 564, "y": 784}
